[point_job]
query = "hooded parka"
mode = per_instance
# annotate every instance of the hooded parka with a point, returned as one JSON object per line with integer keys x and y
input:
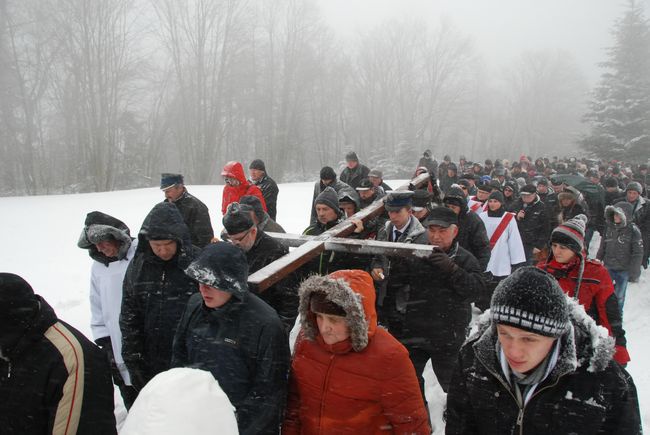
{"x": 155, "y": 294}
{"x": 365, "y": 384}
{"x": 233, "y": 193}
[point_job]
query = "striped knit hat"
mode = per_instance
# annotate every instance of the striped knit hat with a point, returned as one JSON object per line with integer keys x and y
{"x": 571, "y": 233}
{"x": 532, "y": 300}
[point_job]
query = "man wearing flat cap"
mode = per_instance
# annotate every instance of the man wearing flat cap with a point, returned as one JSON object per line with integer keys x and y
{"x": 195, "y": 213}
{"x": 442, "y": 287}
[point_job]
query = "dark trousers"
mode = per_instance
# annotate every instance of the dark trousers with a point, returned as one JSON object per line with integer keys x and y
{"x": 443, "y": 355}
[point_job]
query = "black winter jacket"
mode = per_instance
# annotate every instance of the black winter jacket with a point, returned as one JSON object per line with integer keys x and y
{"x": 585, "y": 393}
{"x": 353, "y": 177}
{"x": 534, "y": 227}
{"x": 438, "y": 309}
{"x": 283, "y": 295}
{"x": 52, "y": 379}
{"x": 155, "y": 294}
{"x": 270, "y": 191}
{"x": 472, "y": 236}
{"x": 244, "y": 346}
{"x": 197, "y": 218}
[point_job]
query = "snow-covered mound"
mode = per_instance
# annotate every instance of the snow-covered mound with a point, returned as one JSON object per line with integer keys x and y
{"x": 181, "y": 401}
{"x": 39, "y": 242}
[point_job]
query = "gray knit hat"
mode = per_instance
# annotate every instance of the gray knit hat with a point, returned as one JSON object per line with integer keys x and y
{"x": 635, "y": 186}
{"x": 328, "y": 197}
{"x": 531, "y": 299}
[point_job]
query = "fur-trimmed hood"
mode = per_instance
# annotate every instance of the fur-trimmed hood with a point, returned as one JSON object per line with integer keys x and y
{"x": 585, "y": 344}
{"x": 99, "y": 227}
{"x": 352, "y": 290}
{"x": 624, "y": 209}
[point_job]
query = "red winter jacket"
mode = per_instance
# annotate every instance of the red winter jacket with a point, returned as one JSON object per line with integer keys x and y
{"x": 365, "y": 384}
{"x": 233, "y": 193}
{"x": 596, "y": 294}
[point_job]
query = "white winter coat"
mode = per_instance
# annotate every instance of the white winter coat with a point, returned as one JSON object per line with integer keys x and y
{"x": 508, "y": 250}
{"x": 106, "y": 303}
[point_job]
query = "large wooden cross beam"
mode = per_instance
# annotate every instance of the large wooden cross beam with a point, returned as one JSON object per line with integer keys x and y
{"x": 308, "y": 247}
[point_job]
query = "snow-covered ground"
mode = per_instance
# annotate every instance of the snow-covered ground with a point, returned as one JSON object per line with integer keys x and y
{"x": 39, "y": 241}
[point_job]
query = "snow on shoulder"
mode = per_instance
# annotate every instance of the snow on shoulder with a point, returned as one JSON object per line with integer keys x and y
{"x": 181, "y": 401}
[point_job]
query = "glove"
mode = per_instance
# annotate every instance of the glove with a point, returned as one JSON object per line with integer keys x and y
{"x": 138, "y": 380}
{"x": 441, "y": 261}
{"x": 106, "y": 345}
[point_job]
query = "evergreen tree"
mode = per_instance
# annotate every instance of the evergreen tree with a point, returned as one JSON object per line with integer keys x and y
{"x": 620, "y": 109}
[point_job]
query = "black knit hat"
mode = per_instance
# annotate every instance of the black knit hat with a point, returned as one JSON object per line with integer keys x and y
{"x": 455, "y": 196}
{"x": 223, "y": 266}
{"x": 496, "y": 194}
{"x": 327, "y": 173}
{"x": 257, "y": 164}
{"x": 328, "y": 197}
{"x": 611, "y": 182}
{"x": 237, "y": 218}
{"x": 532, "y": 300}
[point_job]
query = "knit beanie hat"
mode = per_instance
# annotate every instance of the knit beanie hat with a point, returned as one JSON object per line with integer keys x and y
{"x": 257, "y": 164}
{"x": 329, "y": 198}
{"x": 318, "y": 303}
{"x": 327, "y": 173}
{"x": 635, "y": 186}
{"x": 611, "y": 182}
{"x": 237, "y": 218}
{"x": 351, "y": 157}
{"x": 532, "y": 300}
{"x": 496, "y": 194}
{"x": 571, "y": 233}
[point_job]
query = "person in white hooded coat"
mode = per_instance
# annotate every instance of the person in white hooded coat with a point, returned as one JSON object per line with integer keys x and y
{"x": 110, "y": 245}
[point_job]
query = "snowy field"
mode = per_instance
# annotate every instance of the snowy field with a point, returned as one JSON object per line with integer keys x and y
{"x": 40, "y": 238}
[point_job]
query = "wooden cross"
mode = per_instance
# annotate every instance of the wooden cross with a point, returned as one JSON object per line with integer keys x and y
{"x": 308, "y": 247}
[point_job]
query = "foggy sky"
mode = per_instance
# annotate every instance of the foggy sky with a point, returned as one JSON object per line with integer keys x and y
{"x": 501, "y": 29}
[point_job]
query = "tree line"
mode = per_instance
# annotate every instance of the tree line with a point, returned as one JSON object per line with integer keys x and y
{"x": 102, "y": 95}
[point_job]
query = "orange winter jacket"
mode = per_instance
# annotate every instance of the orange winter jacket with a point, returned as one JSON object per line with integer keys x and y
{"x": 365, "y": 384}
{"x": 234, "y": 193}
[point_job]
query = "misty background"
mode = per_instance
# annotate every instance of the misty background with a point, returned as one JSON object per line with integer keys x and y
{"x": 101, "y": 95}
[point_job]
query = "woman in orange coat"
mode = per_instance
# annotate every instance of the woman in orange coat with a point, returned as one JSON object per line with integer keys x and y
{"x": 347, "y": 375}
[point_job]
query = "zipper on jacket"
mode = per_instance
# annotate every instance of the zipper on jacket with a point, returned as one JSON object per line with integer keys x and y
{"x": 325, "y": 384}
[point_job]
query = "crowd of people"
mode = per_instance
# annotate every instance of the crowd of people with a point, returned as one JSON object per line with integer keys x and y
{"x": 509, "y": 240}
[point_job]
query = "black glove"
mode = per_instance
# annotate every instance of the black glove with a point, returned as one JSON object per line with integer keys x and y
{"x": 106, "y": 345}
{"x": 138, "y": 380}
{"x": 442, "y": 261}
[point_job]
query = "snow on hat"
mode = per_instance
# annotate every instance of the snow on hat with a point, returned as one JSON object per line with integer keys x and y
{"x": 455, "y": 196}
{"x": 170, "y": 180}
{"x": 328, "y": 197}
{"x": 528, "y": 189}
{"x": 237, "y": 218}
{"x": 364, "y": 184}
{"x": 421, "y": 199}
{"x": 635, "y": 186}
{"x": 395, "y": 200}
{"x": 223, "y": 266}
{"x": 351, "y": 157}
{"x": 327, "y": 173}
{"x": 532, "y": 300}
{"x": 571, "y": 233}
{"x": 257, "y": 164}
{"x": 255, "y": 203}
{"x": 374, "y": 172}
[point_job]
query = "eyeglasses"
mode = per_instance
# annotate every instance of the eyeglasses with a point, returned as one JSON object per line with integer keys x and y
{"x": 231, "y": 239}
